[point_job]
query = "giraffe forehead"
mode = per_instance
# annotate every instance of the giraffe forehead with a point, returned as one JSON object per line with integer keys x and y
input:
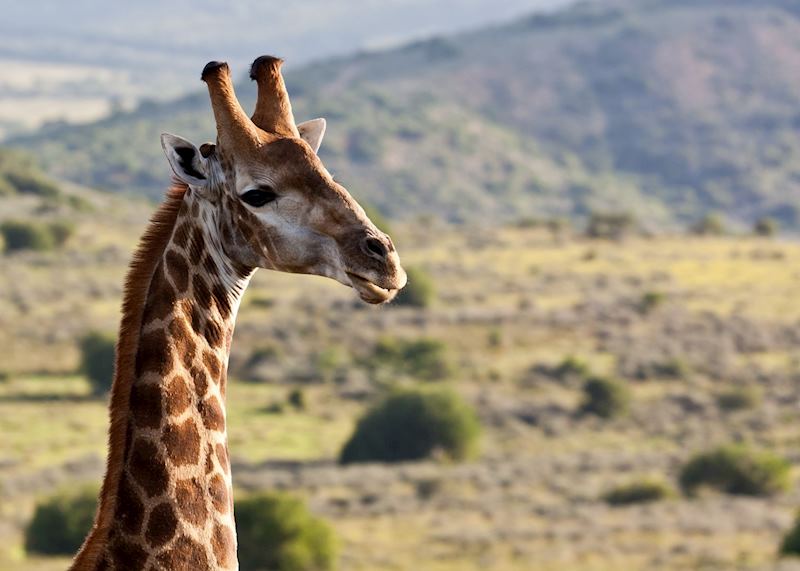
{"x": 281, "y": 163}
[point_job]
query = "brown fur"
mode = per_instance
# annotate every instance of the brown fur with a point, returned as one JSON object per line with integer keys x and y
{"x": 137, "y": 283}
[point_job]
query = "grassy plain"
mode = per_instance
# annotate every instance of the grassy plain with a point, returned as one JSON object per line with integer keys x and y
{"x": 511, "y": 304}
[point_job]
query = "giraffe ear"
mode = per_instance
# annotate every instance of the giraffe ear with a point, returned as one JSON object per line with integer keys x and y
{"x": 186, "y": 161}
{"x": 312, "y": 132}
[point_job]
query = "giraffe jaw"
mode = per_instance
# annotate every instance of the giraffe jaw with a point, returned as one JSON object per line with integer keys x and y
{"x": 370, "y": 292}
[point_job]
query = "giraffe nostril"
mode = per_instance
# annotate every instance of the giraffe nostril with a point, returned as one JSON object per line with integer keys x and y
{"x": 375, "y": 248}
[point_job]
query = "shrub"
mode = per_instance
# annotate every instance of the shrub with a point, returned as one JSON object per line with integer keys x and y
{"x": 419, "y": 291}
{"x": 651, "y": 300}
{"x": 571, "y": 366}
{"x": 61, "y": 231}
{"x": 276, "y": 532}
{"x": 709, "y": 225}
{"x": 739, "y": 398}
{"x": 61, "y": 522}
{"x": 736, "y": 470}
{"x": 610, "y": 226}
{"x": 31, "y": 182}
{"x": 413, "y": 424}
{"x": 297, "y": 399}
{"x": 606, "y": 398}
{"x": 766, "y": 227}
{"x": 19, "y": 235}
{"x": 638, "y": 492}
{"x": 424, "y": 358}
{"x": 97, "y": 360}
{"x": 791, "y": 541}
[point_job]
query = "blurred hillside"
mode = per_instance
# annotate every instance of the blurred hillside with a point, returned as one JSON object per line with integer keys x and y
{"x": 78, "y": 61}
{"x": 666, "y": 108}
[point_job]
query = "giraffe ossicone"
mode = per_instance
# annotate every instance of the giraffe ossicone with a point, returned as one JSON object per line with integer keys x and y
{"x": 257, "y": 198}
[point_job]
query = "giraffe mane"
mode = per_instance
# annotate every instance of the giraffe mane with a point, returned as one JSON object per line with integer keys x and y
{"x": 137, "y": 283}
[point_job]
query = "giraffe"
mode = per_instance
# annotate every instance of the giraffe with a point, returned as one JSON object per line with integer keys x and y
{"x": 257, "y": 198}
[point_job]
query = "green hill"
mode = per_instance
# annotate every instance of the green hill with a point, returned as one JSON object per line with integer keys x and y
{"x": 666, "y": 108}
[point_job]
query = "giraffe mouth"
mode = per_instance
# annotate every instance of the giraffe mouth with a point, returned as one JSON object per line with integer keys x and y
{"x": 369, "y": 291}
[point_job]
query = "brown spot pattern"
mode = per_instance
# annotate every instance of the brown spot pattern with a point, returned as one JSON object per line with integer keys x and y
{"x": 197, "y": 320}
{"x": 161, "y": 525}
{"x": 146, "y": 405}
{"x": 147, "y": 467}
{"x": 128, "y": 555}
{"x": 211, "y": 413}
{"x": 177, "y": 396}
{"x": 200, "y": 379}
{"x": 186, "y": 554}
{"x": 182, "y": 234}
{"x": 160, "y": 298}
{"x": 178, "y": 270}
{"x": 198, "y": 242}
{"x": 213, "y": 333}
{"x": 191, "y": 501}
{"x": 182, "y": 340}
{"x": 182, "y": 442}
{"x": 202, "y": 293}
{"x": 218, "y": 491}
{"x": 130, "y": 509}
{"x": 222, "y": 457}
{"x": 154, "y": 354}
{"x": 222, "y": 300}
{"x": 222, "y": 543}
{"x": 213, "y": 365}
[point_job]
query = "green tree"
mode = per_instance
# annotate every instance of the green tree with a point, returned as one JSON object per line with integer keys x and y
{"x": 97, "y": 360}
{"x": 425, "y": 359}
{"x": 20, "y": 235}
{"x": 791, "y": 541}
{"x": 709, "y": 225}
{"x": 61, "y": 522}
{"x": 736, "y": 470}
{"x": 638, "y": 492}
{"x": 766, "y": 227}
{"x": 276, "y": 532}
{"x": 606, "y": 398}
{"x": 413, "y": 424}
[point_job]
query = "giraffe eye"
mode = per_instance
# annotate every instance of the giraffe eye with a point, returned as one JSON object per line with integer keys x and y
{"x": 259, "y": 196}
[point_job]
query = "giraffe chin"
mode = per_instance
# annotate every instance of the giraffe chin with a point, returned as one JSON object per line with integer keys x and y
{"x": 369, "y": 292}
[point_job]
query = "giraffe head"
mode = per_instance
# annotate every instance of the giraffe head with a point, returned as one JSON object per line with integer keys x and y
{"x": 272, "y": 200}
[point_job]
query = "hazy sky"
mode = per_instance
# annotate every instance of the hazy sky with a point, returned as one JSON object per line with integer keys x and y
{"x": 208, "y": 29}
{"x": 77, "y": 59}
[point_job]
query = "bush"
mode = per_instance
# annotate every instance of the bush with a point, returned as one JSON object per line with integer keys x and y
{"x": 709, "y": 225}
{"x": 605, "y": 398}
{"x": 19, "y": 235}
{"x": 419, "y": 291}
{"x": 413, "y": 424}
{"x": 60, "y": 523}
{"x": 424, "y": 359}
{"x": 610, "y": 226}
{"x": 571, "y": 366}
{"x": 31, "y": 182}
{"x": 297, "y": 399}
{"x": 651, "y": 300}
{"x": 97, "y": 360}
{"x": 766, "y": 227}
{"x": 791, "y": 541}
{"x": 642, "y": 491}
{"x": 736, "y": 470}
{"x": 61, "y": 231}
{"x": 276, "y": 532}
{"x": 739, "y": 398}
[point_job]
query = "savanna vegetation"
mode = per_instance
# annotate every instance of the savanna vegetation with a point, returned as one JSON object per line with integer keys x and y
{"x": 555, "y": 386}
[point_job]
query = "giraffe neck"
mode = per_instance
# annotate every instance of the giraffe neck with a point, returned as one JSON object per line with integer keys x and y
{"x": 174, "y": 507}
